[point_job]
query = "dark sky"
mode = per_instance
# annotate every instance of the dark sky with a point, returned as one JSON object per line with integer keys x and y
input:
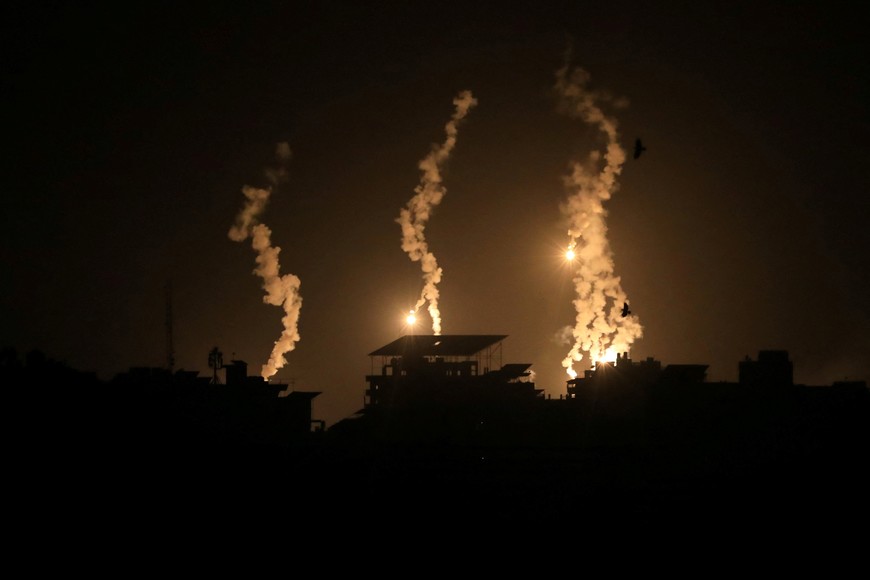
{"x": 130, "y": 130}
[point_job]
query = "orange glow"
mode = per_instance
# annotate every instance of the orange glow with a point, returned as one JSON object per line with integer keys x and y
{"x": 609, "y": 356}
{"x": 570, "y": 254}
{"x": 411, "y": 319}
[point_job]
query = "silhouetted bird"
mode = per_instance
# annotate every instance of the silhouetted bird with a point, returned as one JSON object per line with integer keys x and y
{"x": 638, "y": 148}
{"x": 625, "y": 309}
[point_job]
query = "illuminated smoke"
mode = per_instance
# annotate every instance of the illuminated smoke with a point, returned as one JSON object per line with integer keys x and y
{"x": 280, "y": 290}
{"x": 414, "y": 216}
{"x": 600, "y": 330}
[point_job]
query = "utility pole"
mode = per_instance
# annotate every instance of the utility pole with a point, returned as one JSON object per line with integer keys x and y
{"x": 170, "y": 348}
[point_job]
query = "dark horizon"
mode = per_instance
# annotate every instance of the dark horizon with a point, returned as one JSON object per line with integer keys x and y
{"x": 630, "y": 445}
{"x": 38, "y": 359}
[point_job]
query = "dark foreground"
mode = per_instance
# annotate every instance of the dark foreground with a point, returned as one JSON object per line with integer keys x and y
{"x": 791, "y": 462}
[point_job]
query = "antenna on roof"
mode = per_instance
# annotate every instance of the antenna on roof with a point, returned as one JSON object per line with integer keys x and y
{"x": 170, "y": 349}
{"x": 215, "y": 361}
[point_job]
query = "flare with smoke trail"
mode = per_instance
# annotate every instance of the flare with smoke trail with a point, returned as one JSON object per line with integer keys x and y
{"x": 280, "y": 290}
{"x": 600, "y": 330}
{"x": 414, "y": 216}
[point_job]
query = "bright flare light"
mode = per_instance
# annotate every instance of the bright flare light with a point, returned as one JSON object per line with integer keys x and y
{"x": 598, "y": 323}
{"x": 609, "y": 356}
{"x": 411, "y": 319}
{"x": 569, "y": 252}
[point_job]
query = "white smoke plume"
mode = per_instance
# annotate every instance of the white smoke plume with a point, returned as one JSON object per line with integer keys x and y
{"x": 280, "y": 290}
{"x": 599, "y": 330}
{"x": 414, "y": 216}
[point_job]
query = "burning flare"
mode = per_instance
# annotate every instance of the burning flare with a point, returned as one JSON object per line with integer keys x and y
{"x": 414, "y": 216}
{"x": 569, "y": 253}
{"x": 599, "y": 330}
{"x": 280, "y": 290}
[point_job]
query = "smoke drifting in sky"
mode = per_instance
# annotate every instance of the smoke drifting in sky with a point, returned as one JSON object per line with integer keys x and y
{"x": 414, "y": 216}
{"x": 280, "y": 290}
{"x": 600, "y": 329}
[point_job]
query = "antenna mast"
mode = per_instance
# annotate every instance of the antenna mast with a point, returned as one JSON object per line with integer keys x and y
{"x": 170, "y": 349}
{"x": 216, "y": 362}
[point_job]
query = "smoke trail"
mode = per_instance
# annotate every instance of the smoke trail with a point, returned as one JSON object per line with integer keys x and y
{"x": 600, "y": 330}
{"x": 280, "y": 290}
{"x": 414, "y": 216}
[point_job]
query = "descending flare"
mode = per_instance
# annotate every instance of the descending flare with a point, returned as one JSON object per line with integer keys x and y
{"x": 600, "y": 330}
{"x": 280, "y": 290}
{"x": 569, "y": 253}
{"x": 414, "y": 216}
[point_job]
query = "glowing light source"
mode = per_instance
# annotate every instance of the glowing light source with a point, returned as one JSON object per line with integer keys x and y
{"x": 411, "y": 318}
{"x": 570, "y": 254}
{"x": 600, "y": 299}
{"x": 609, "y": 356}
{"x": 413, "y": 217}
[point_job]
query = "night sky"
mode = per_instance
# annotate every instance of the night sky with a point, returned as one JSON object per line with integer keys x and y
{"x": 130, "y": 131}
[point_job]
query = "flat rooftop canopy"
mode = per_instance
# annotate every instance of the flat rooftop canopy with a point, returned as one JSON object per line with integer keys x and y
{"x": 443, "y": 345}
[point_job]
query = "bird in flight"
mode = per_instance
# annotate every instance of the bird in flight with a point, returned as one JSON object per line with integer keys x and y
{"x": 625, "y": 310}
{"x": 638, "y": 148}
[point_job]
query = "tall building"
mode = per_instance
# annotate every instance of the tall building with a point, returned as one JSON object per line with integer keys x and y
{"x": 442, "y": 369}
{"x": 446, "y": 388}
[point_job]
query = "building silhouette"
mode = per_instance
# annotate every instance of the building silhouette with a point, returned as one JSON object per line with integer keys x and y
{"x": 450, "y": 434}
{"x": 442, "y": 388}
{"x": 240, "y": 409}
{"x": 451, "y": 431}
